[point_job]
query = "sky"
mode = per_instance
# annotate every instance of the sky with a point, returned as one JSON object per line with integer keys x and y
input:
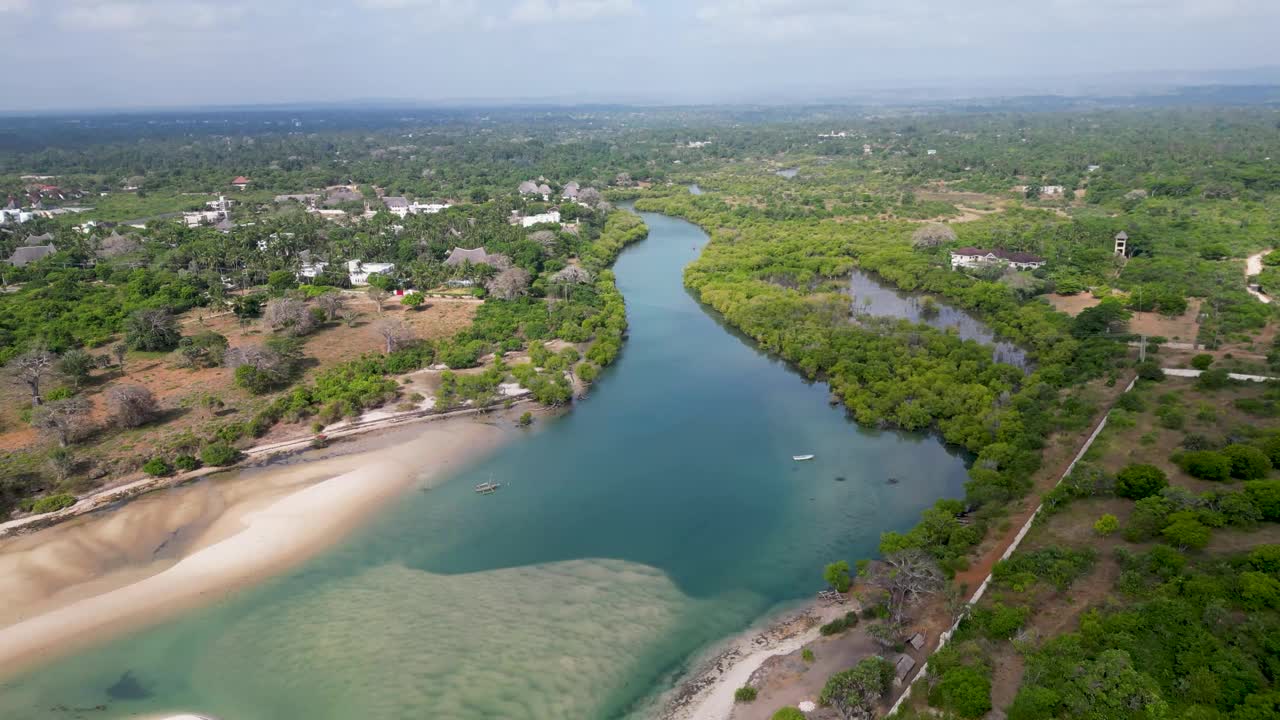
{"x": 86, "y": 54}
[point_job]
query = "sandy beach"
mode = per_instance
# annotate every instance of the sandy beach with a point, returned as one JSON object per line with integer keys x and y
{"x": 102, "y": 575}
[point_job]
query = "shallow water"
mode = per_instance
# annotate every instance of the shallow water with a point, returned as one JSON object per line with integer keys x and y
{"x": 875, "y": 297}
{"x": 660, "y": 516}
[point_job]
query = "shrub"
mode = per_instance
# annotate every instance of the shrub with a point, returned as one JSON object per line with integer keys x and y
{"x": 1247, "y": 462}
{"x": 1204, "y": 464}
{"x": 1000, "y": 621}
{"x": 1106, "y": 525}
{"x": 132, "y": 405}
{"x": 1149, "y": 517}
{"x": 525, "y": 420}
{"x": 1131, "y": 402}
{"x": 744, "y": 694}
{"x": 1035, "y": 703}
{"x": 1138, "y": 481}
{"x": 219, "y": 454}
{"x": 157, "y": 467}
{"x": 788, "y": 713}
{"x": 1265, "y": 494}
{"x": 1202, "y": 361}
{"x": 1215, "y": 379}
{"x": 1171, "y": 417}
{"x": 807, "y": 655}
{"x": 186, "y": 463}
{"x": 840, "y": 624}
{"x": 53, "y": 503}
{"x": 1186, "y": 531}
{"x": 965, "y": 691}
{"x": 1150, "y": 370}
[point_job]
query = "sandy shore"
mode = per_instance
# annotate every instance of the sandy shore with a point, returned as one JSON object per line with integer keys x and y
{"x": 707, "y": 694}
{"x": 99, "y": 576}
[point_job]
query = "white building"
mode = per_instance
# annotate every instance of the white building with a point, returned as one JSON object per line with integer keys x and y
{"x": 1051, "y": 190}
{"x": 201, "y": 217}
{"x": 552, "y": 216}
{"x": 970, "y": 257}
{"x": 357, "y": 272}
{"x": 428, "y": 208}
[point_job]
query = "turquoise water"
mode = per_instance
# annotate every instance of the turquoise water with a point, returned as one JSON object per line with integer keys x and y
{"x": 660, "y": 516}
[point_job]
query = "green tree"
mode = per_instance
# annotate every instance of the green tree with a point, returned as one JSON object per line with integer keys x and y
{"x": 152, "y": 330}
{"x": 837, "y": 575}
{"x": 1138, "y": 481}
{"x": 281, "y": 281}
{"x": 856, "y": 692}
{"x": 1205, "y": 464}
{"x": 1109, "y": 688}
{"x": 414, "y": 300}
{"x": 788, "y": 713}
{"x": 1202, "y": 361}
{"x": 76, "y": 364}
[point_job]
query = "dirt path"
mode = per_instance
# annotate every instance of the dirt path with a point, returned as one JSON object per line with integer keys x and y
{"x": 1253, "y": 266}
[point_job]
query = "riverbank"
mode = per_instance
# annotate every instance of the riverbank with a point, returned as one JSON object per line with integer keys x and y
{"x": 99, "y": 577}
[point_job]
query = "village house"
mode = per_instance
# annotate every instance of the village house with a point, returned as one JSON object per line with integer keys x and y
{"x": 571, "y": 190}
{"x": 475, "y": 256}
{"x": 34, "y": 248}
{"x": 970, "y": 257}
{"x": 241, "y": 182}
{"x": 399, "y": 206}
{"x": 1052, "y": 190}
{"x": 428, "y": 208}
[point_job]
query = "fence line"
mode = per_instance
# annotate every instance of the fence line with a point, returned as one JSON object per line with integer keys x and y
{"x": 945, "y": 637}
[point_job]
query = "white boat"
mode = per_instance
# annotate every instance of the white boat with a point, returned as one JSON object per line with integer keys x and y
{"x": 488, "y": 488}
{"x": 802, "y": 457}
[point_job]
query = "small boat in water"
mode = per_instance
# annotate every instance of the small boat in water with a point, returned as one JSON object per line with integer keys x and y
{"x": 892, "y": 481}
{"x": 488, "y": 488}
{"x": 802, "y": 457}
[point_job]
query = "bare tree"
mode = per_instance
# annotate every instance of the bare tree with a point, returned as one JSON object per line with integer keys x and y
{"x": 545, "y": 238}
{"x": 932, "y": 235}
{"x": 64, "y": 419}
{"x": 132, "y": 405}
{"x": 395, "y": 334}
{"x": 118, "y": 351}
{"x": 569, "y": 277}
{"x": 590, "y": 197}
{"x": 30, "y": 368}
{"x": 289, "y": 315}
{"x": 332, "y": 303}
{"x": 377, "y": 295}
{"x": 509, "y": 284}
{"x": 905, "y": 576}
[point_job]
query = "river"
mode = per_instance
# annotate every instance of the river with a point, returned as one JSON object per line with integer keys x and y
{"x": 661, "y": 516}
{"x": 875, "y": 297}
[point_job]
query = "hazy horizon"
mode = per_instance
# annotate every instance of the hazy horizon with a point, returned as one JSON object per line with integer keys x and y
{"x": 144, "y": 54}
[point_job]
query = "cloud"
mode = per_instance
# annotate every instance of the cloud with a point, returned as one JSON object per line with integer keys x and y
{"x": 137, "y": 15}
{"x": 14, "y": 6}
{"x": 537, "y": 11}
{"x": 917, "y": 23}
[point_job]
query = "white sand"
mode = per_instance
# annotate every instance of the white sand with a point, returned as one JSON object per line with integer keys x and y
{"x": 268, "y": 540}
{"x": 717, "y": 701}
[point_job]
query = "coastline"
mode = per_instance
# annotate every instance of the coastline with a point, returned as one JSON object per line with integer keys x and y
{"x": 707, "y": 692}
{"x": 125, "y": 492}
{"x": 62, "y": 600}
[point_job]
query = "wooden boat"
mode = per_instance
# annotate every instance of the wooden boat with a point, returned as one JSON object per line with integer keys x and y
{"x": 802, "y": 457}
{"x": 488, "y": 488}
{"x": 892, "y": 481}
